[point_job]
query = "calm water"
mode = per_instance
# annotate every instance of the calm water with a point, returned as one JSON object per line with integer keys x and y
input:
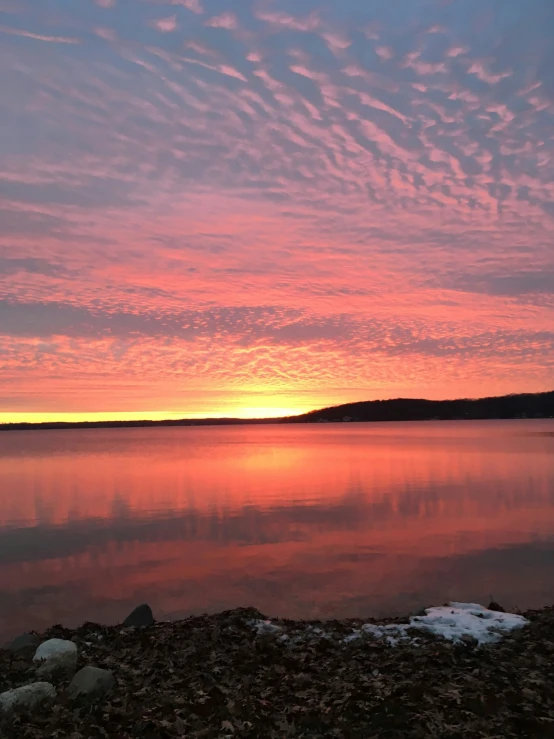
{"x": 300, "y": 521}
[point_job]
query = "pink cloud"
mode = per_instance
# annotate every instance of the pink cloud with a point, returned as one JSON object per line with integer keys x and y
{"x": 40, "y": 37}
{"x": 479, "y": 70}
{"x": 200, "y": 48}
{"x": 414, "y": 61}
{"x": 336, "y": 42}
{"x": 384, "y": 52}
{"x": 230, "y": 72}
{"x": 106, "y": 33}
{"x": 166, "y": 25}
{"x": 455, "y": 51}
{"x": 309, "y": 23}
{"x": 225, "y": 20}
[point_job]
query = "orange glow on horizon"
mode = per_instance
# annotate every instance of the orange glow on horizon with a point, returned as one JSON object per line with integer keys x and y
{"x": 241, "y": 413}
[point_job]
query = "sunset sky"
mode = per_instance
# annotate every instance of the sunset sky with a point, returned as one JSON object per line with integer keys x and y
{"x": 258, "y": 207}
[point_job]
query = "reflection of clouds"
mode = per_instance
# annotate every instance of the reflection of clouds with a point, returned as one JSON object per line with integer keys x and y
{"x": 354, "y": 169}
{"x": 430, "y": 504}
{"x": 323, "y": 578}
{"x": 319, "y": 521}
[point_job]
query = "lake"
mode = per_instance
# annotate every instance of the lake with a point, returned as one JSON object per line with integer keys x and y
{"x": 302, "y": 521}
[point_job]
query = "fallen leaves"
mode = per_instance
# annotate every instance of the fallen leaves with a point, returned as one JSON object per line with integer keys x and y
{"x": 213, "y": 676}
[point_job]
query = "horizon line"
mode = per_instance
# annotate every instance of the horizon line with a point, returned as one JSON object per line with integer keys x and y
{"x": 159, "y": 417}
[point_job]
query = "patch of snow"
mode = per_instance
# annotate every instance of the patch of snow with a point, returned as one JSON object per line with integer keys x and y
{"x": 265, "y": 627}
{"x": 394, "y": 633}
{"x": 453, "y": 622}
{"x": 352, "y": 637}
{"x": 458, "y": 620}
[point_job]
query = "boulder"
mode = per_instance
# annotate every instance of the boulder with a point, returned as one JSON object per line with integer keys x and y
{"x": 91, "y": 682}
{"x": 25, "y": 644}
{"x": 56, "y": 656}
{"x": 53, "y": 648}
{"x": 26, "y": 697}
{"x": 141, "y": 616}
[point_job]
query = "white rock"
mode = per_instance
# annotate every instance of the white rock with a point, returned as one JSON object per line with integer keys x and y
{"x": 26, "y": 697}
{"x": 56, "y": 655}
{"x": 53, "y": 648}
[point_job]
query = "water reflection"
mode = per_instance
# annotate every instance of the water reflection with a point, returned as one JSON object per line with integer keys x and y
{"x": 301, "y": 521}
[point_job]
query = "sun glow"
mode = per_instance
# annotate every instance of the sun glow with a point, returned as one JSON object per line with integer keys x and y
{"x": 242, "y": 413}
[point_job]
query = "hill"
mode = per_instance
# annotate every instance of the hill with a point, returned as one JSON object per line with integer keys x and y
{"x": 529, "y": 405}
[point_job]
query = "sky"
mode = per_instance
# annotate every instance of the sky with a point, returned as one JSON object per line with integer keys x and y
{"x": 260, "y": 207}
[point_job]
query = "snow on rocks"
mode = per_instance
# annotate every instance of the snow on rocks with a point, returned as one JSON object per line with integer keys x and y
{"x": 56, "y": 655}
{"x": 265, "y": 627}
{"x": 455, "y": 622}
{"x": 27, "y": 697}
{"x": 470, "y": 619}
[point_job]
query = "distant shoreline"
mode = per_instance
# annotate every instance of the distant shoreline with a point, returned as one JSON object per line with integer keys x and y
{"x": 506, "y": 407}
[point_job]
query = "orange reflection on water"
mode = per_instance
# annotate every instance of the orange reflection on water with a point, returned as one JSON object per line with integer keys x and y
{"x": 300, "y": 521}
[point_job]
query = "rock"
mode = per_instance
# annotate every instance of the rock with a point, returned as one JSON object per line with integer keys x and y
{"x": 91, "y": 682}
{"x": 56, "y": 656}
{"x": 61, "y": 664}
{"x": 141, "y": 616}
{"x": 24, "y": 644}
{"x": 301, "y": 680}
{"x": 53, "y": 648}
{"x": 494, "y": 606}
{"x": 26, "y": 697}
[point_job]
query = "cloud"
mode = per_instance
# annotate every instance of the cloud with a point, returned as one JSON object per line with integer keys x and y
{"x": 225, "y": 20}
{"x": 309, "y": 23}
{"x": 195, "y": 6}
{"x": 32, "y": 265}
{"x": 91, "y": 192}
{"x": 39, "y": 37}
{"x": 166, "y": 25}
{"x": 521, "y": 283}
{"x": 290, "y": 196}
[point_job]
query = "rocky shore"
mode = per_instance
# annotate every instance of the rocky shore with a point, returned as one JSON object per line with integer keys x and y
{"x": 454, "y": 672}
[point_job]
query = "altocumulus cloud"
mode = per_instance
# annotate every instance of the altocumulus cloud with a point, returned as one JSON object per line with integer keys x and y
{"x": 286, "y": 196}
